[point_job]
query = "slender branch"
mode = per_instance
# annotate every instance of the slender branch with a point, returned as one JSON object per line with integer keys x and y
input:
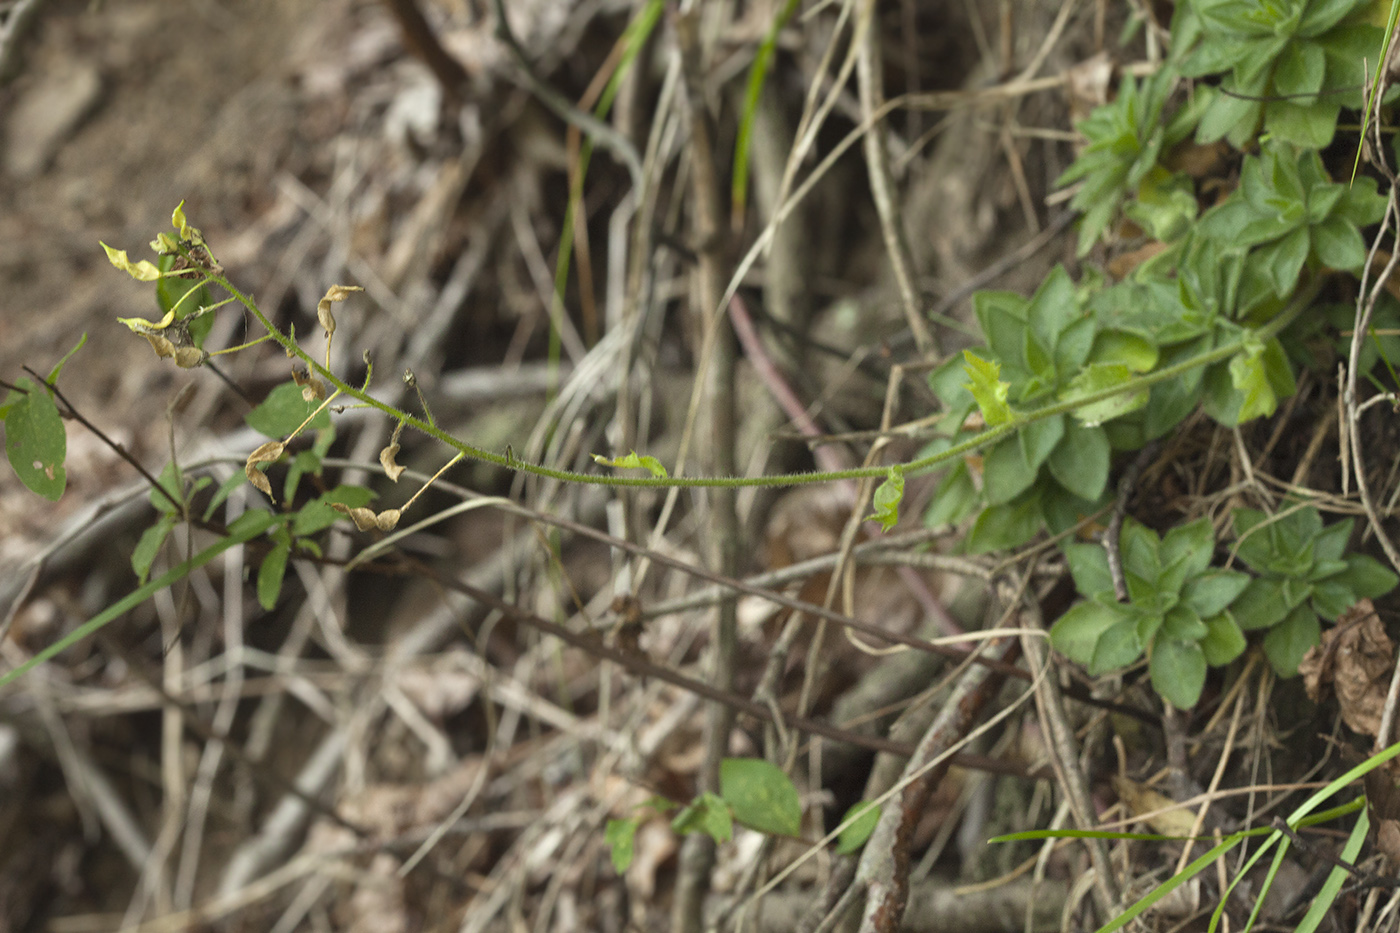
{"x": 643, "y": 666}
{"x": 882, "y": 189}
{"x": 922, "y": 465}
{"x": 423, "y": 42}
{"x": 117, "y": 448}
{"x": 610, "y": 138}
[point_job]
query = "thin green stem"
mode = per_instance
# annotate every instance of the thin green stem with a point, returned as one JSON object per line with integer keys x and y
{"x": 922, "y": 465}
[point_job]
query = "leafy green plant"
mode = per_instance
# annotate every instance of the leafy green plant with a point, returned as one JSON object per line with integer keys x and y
{"x": 1185, "y": 615}
{"x": 1177, "y": 611}
{"x": 1039, "y": 350}
{"x": 1124, "y": 141}
{"x": 1289, "y": 65}
{"x": 1305, "y": 575}
{"x": 753, "y": 793}
{"x": 1292, "y": 214}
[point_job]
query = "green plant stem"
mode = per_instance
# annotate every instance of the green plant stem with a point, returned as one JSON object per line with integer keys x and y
{"x": 137, "y": 597}
{"x": 989, "y": 436}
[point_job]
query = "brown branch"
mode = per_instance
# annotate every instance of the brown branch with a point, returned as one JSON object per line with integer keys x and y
{"x": 884, "y": 865}
{"x": 642, "y": 666}
{"x": 422, "y": 41}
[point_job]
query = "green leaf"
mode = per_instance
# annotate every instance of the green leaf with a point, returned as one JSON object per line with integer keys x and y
{"x": 1006, "y": 526}
{"x": 169, "y": 481}
{"x": 58, "y": 367}
{"x": 1209, "y": 594}
{"x": 1338, "y": 244}
{"x": 867, "y": 814}
{"x": 954, "y": 498}
{"x": 1118, "y": 647}
{"x": 619, "y": 836}
{"x": 1118, "y": 346}
{"x": 250, "y": 524}
{"x": 707, "y": 814}
{"x": 1300, "y": 69}
{"x": 221, "y": 494}
{"x": 1052, "y": 310}
{"x": 1260, "y": 605}
{"x": 144, "y": 554}
{"x": 1288, "y": 641}
{"x": 1282, "y": 260}
{"x": 1141, "y": 551}
{"x": 1223, "y": 642}
{"x": 1330, "y": 543}
{"x": 270, "y": 574}
{"x": 987, "y": 388}
{"x": 1310, "y": 125}
{"x": 1039, "y": 439}
{"x": 1080, "y": 461}
{"x": 1366, "y": 577}
{"x": 887, "y": 498}
{"x": 634, "y": 462}
{"x": 1261, "y": 376}
{"x": 317, "y": 514}
{"x": 283, "y": 412}
{"x": 1105, "y": 377}
{"x": 35, "y": 441}
{"x": 1185, "y": 553}
{"x": 1005, "y": 472}
{"x": 761, "y": 796}
{"x": 1088, "y": 565}
{"x": 1002, "y": 317}
{"x": 1178, "y": 670}
{"x": 1076, "y": 633}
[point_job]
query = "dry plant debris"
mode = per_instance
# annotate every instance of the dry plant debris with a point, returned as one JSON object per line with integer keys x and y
{"x": 438, "y": 737}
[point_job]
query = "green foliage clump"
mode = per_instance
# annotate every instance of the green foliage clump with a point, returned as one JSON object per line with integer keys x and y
{"x": 1206, "y": 323}
{"x": 1177, "y": 609}
{"x": 1186, "y": 615}
{"x": 1289, "y": 65}
{"x": 1305, "y": 575}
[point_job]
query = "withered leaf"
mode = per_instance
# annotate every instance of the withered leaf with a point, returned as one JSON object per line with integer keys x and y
{"x": 1355, "y": 659}
{"x": 267, "y": 453}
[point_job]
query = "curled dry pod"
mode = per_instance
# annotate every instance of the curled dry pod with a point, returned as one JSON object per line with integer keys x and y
{"x": 267, "y": 453}
{"x": 190, "y": 357}
{"x": 312, "y": 388}
{"x": 323, "y": 307}
{"x": 363, "y": 518}
{"x": 386, "y": 460}
{"x": 388, "y": 519}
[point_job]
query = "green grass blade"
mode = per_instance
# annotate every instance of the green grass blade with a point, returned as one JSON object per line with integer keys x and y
{"x": 1375, "y": 84}
{"x": 1336, "y": 878}
{"x": 237, "y": 535}
{"x": 758, "y": 76}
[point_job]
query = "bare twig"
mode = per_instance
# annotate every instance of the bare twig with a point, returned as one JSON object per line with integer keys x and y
{"x": 882, "y": 188}
{"x": 423, "y": 42}
{"x": 1064, "y": 757}
{"x": 610, "y": 138}
{"x": 697, "y": 855}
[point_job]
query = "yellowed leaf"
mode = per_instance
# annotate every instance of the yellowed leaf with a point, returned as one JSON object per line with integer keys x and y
{"x": 1165, "y": 815}
{"x": 139, "y": 325}
{"x": 142, "y": 271}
